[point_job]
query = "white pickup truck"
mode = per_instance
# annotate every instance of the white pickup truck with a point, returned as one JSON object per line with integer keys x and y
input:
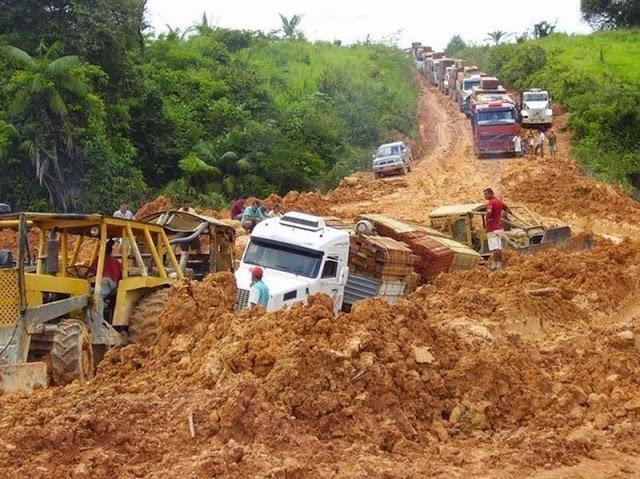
{"x": 536, "y": 108}
{"x": 300, "y": 256}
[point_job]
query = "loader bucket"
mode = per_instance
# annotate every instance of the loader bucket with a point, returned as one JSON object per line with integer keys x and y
{"x": 23, "y": 377}
{"x": 557, "y": 235}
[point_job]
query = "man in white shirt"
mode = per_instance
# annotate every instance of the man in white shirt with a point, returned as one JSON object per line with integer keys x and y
{"x": 123, "y": 213}
{"x": 540, "y": 143}
{"x": 517, "y": 144}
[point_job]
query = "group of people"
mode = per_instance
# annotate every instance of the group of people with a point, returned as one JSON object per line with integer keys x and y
{"x": 251, "y": 212}
{"x": 533, "y": 143}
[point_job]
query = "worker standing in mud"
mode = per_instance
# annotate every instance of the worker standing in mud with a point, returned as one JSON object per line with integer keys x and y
{"x": 495, "y": 227}
{"x": 259, "y": 293}
{"x": 553, "y": 144}
{"x": 540, "y": 140}
{"x": 517, "y": 144}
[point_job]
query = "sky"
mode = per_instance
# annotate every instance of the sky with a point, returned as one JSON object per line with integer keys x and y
{"x": 431, "y": 23}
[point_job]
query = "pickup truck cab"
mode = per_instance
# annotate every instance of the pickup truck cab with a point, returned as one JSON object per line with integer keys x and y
{"x": 392, "y": 158}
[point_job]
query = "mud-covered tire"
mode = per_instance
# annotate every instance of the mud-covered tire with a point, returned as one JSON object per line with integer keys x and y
{"x": 71, "y": 353}
{"x": 143, "y": 321}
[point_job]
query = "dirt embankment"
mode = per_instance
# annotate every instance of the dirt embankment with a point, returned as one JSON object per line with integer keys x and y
{"x": 385, "y": 391}
{"x": 533, "y": 372}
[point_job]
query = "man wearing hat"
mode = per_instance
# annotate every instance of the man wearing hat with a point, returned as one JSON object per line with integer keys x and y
{"x": 259, "y": 293}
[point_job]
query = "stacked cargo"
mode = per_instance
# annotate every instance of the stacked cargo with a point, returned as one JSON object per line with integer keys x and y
{"x": 435, "y": 252}
{"x": 379, "y": 267}
{"x": 381, "y": 257}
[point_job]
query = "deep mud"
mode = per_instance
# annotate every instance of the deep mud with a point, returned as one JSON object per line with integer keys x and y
{"x": 532, "y": 372}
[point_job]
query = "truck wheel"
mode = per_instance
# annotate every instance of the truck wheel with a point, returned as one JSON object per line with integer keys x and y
{"x": 71, "y": 353}
{"x": 143, "y": 321}
{"x": 409, "y": 168}
{"x": 376, "y": 176}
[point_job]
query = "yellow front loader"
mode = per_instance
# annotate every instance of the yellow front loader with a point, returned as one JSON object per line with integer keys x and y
{"x": 49, "y": 326}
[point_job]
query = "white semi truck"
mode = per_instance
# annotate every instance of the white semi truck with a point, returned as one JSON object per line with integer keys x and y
{"x": 300, "y": 256}
{"x": 535, "y": 109}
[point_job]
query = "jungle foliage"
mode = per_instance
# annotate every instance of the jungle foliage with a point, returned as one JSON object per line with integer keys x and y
{"x": 94, "y": 109}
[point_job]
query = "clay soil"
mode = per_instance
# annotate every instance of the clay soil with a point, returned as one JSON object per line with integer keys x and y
{"x": 532, "y": 372}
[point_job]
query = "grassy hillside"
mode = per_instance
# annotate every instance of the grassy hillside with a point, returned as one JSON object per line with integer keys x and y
{"x": 207, "y": 114}
{"x": 596, "y": 77}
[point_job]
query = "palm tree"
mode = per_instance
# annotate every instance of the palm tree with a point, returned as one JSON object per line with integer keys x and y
{"x": 290, "y": 26}
{"x": 41, "y": 89}
{"x": 224, "y": 169}
{"x": 498, "y": 36}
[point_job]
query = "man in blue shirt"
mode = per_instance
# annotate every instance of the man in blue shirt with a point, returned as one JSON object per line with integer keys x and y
{"x": 252, "y": 216}
{"x": 259, "y": 293}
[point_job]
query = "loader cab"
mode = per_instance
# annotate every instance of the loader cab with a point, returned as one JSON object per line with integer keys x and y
{"x": 47, "y": 291}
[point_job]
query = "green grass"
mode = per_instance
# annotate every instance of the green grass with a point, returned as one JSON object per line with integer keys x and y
{"x": 599, "y": 55}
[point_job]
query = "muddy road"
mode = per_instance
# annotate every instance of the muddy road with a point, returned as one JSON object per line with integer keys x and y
{"x": 449, "y": 172}
{"x": 471, "y": 376}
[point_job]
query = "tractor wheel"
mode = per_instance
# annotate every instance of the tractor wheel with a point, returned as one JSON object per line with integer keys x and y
{"x": 143, "y": 322}
{"x": 71, "y": 353}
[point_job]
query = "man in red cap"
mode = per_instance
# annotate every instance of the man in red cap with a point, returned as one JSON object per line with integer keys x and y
{"x": 259, "y": 293}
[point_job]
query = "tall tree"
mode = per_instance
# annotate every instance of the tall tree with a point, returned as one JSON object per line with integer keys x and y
{"x": 455, "y": 45}
{"x": 107, "y": 33}
{"x": 497, "y": 36}
{"x": 543, "y": 29}
{"x": 44, "y": 89}
{"x": 611, "y": 14}
{"x": 290, "y": 26}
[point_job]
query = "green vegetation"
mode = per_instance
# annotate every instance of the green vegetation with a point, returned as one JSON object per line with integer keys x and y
{"x": 89, "y": 119}
{"x": 596, "y": 77}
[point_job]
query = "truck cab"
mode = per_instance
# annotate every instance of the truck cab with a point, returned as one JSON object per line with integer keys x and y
{"x": 466, "y": 87}
{"x": 535, "y": 108}
{"x": 300, "y": 256}
{"x": 494, "y": 126}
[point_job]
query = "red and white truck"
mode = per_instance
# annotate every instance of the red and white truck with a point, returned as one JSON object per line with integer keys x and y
{"x": 494, "y": 119}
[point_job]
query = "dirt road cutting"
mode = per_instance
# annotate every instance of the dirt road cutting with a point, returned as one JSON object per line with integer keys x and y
{"x": 472, "y": 376}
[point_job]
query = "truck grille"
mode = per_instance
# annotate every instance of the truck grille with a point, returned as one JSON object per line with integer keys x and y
{"x": 243, "y": 299}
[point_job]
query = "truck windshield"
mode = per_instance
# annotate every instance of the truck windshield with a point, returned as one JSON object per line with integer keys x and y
{"x": 470, "y": 84}
{"x": 536, "y": 97}
{"x": 283, "y": 257}
{"x": 496, "y": 117}
{"x": 388, "y": 150}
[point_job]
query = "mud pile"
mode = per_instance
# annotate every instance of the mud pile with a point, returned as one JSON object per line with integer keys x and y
{"x": 309, "y": 202}
{"x": 363, "y": 187}
{"x": 9, "y": 240}
{"x": 384, "y": 391}
{"x": 161, "y": 203}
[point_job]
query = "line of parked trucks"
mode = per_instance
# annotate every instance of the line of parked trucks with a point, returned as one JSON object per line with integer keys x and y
{"x": 496, "y": 118}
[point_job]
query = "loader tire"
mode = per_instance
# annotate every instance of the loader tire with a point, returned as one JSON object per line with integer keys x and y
{"x": 71, "y": 353}
{"x": 143, "y": 321}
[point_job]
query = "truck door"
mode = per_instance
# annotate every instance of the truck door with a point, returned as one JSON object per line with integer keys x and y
{"x": 333, "y": 279}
